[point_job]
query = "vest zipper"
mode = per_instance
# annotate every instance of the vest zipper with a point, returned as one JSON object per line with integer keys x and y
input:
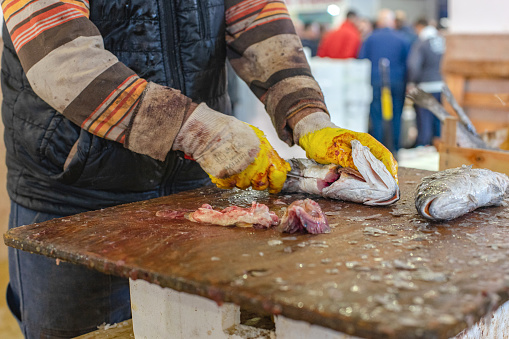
{"x": 179, "y": 162}
{"x": 171, "y": 49}
{"x": 201, "y": 14}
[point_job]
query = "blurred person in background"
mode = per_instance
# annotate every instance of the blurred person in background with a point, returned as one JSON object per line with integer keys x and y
{"x": 386, "y": 42}
{"x": 366, "y": 27}
{"x": 343, "y": 42}
{"x": 424, "y": 72}
{"x": 310, "y": 36}
{"x": 403, "y": 26}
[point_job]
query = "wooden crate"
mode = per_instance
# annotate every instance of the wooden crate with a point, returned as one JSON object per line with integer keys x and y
{"x": 453, "y": 156}
{"x": 476, "y": 69}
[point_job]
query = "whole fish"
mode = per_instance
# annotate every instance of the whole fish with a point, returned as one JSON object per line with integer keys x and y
{"x": 451, "y": 193}
{"x": 370, "y": 184}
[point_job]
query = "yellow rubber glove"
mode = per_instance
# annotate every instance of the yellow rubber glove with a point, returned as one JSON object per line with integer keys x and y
{"x": 232, "y": 152}
{"x": 267, "y": 171}
{"x": 331, "y": 144}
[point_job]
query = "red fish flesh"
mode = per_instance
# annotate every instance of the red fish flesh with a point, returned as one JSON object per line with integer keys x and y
{"x": 304, "y": 216}
{"x": 258, "y": 216}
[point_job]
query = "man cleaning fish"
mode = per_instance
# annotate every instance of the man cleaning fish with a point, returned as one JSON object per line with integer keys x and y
{"x": 108, "y": 103}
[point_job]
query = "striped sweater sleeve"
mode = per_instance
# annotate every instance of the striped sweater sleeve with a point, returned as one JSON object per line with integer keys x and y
{"x": 265, "y": 51}
{"x": 63, "y": 56}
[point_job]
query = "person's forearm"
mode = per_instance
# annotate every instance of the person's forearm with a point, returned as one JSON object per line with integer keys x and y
{"x": 63, "y": 56}
{"x": 267, "y": 54}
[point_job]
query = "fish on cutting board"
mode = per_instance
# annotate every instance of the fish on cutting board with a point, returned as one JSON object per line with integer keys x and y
{"x": 304, "y": 216}
{"x": 370, "y": 184}
{"x": 257, "y": 216}
{"x": 448, "y": 194}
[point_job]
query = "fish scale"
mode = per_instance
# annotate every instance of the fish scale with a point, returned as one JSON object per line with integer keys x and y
{"x": 454, "y": 192}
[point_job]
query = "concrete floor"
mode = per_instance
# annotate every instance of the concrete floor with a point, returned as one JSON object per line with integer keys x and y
{"x": 425, "y": 157}
{"x": 8, "y": 325}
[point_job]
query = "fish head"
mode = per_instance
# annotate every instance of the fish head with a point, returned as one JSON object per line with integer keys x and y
{"x": 383, "y": 188}
{"x": 448, "y": 194}
{"x": 352, "y": 188}
{"x": 371, "y": 184}
{"x": 445, "y": 206}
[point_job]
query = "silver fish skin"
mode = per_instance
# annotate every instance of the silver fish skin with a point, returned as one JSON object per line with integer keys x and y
{"x": 465, "y": 134}
{"x": 375, "y": 186}
{"x": 465, "y": 120}
{"x": 372, "y": 184}
{"x": 448, "y": 194}
{"x": 309, "y": 176}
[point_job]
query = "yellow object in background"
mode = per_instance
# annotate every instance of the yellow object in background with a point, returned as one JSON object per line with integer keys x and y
{"x": 268, "y": 170}
{"x": 386, "y": 104}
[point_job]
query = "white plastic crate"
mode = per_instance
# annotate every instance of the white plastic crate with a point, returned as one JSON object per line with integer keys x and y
{"x": 346, "y": 88}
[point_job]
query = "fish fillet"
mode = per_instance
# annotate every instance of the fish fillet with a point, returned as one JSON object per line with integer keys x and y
{"x": 258, "y": 216}
{"x": 304, "y": 216}
{"x": 370, "y": 184}
{"x": 451, "y": 193}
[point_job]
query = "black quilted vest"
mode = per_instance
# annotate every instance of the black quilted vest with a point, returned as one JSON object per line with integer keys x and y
{"x": 177, "y": 43}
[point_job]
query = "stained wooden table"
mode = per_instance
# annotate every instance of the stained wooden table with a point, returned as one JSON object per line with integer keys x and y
{"x": 383, "y": 272}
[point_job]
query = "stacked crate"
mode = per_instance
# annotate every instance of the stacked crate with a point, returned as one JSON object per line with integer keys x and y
{"x": 346, "y": 87}
{"x": 476, "y": 69}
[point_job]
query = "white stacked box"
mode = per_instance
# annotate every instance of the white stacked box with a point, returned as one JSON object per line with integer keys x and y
{"x": 330, "y": 75}
{"x": 347, "y": 90}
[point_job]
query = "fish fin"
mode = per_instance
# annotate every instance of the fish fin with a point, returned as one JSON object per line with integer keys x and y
{"x": 352, "y": 172}
{"x": 392, "y": 200}
{"x": 375, "y": 174}
{"x": 372, "y": 170}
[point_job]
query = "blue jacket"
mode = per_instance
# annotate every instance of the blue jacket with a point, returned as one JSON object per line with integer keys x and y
{"x": 390, "y": 44}
{"x": 424, "y": 60}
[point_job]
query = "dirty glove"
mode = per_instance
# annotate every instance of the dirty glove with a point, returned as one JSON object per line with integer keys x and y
{"x": 232, "y": 152}
{"x": 326, "y": 143}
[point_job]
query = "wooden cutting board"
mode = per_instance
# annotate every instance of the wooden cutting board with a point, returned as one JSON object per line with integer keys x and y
{"x": 383, "y": 272}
